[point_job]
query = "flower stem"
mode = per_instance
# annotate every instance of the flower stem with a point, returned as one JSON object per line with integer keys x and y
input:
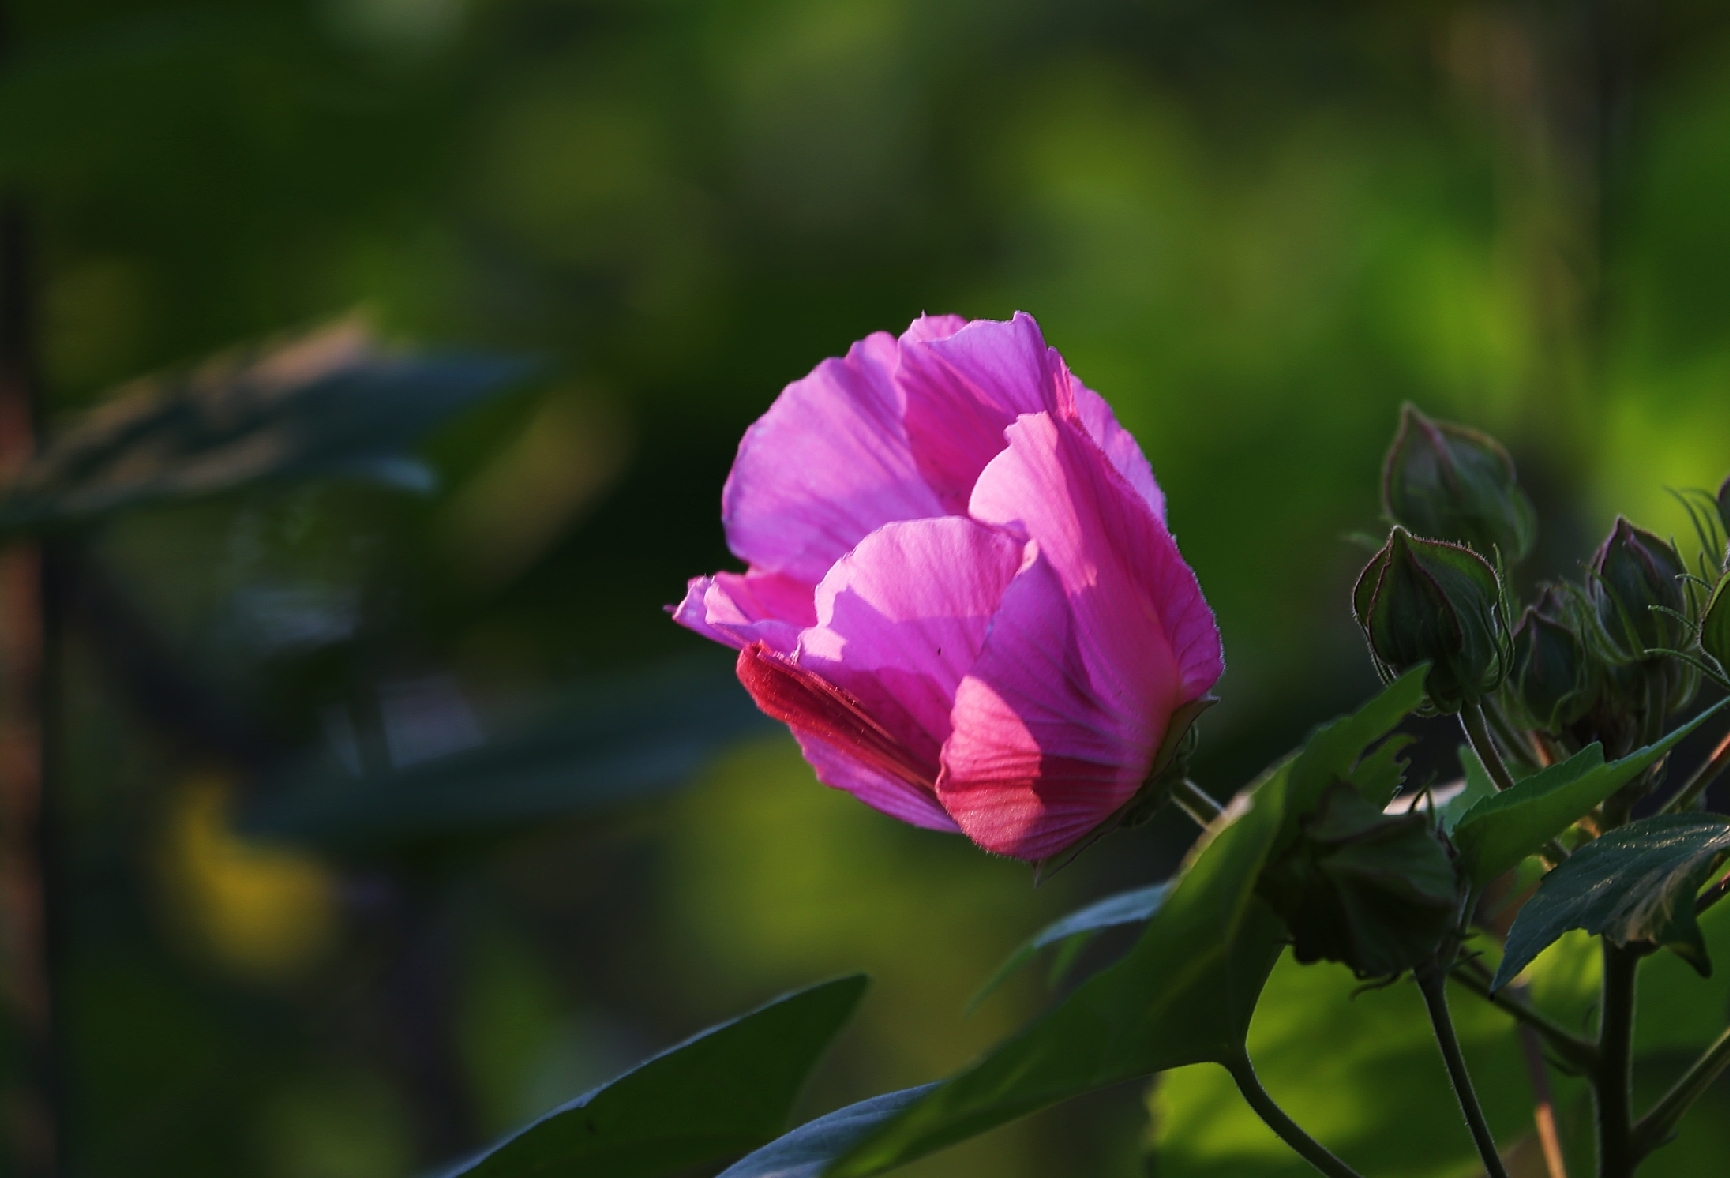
{"x": 1543, "y": 1105}
{"x": 1307, "y": 1147}
{"x": 1614, "y": 1080}
{"x": 1704, "y": 776}
{"x": 1433, "y": 983}
{"x": 1478, "y": 734}
{"x": 1571, "y": 1049}
{"x": 1656, "y": 1126}
{"x": 1196, "y": 802}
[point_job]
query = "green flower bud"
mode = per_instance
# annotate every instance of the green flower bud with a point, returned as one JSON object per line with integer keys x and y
{"x": 1375, "y": 892}
{"x": 1448, "y": 482}
{"x": 1428, "y": 601}
{"x": 1552, "y": 672}
{"x": 1636, "y": 588}
{"x": 1724, "y": 515}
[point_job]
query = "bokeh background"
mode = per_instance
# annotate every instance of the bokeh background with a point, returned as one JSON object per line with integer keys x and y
{"x": 1256, "y": 227}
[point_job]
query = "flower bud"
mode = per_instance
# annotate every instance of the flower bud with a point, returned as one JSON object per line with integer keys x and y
{"x": 1552, "y": 671}
{"x": 1724, "y": 516}
{"x": 1375, "y": 892}
{"x": 1636, "y": 588}
{"x": 1430, "y": 601}
{"x": 1448, "y": 482}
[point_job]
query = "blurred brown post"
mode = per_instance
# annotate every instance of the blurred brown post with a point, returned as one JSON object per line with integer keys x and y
{"x": 29, "y": 1104}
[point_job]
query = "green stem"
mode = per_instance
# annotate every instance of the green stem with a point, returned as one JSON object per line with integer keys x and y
{"x": 1614, "y": 1079}
{"x": 1433, "y": 983}
{"x": 1656, "y": 1126}
{"x": 1196, "y": 802}
{"x": 1515, "y": 744}
{"x": 1577, "y": 1053}
{"x": 1478, "y": 734}
{"x": 1704, "y": 776}
{"x": 1306, "y": 1147}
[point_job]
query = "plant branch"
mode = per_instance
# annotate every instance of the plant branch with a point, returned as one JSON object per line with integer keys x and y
{"x": 1657, "y": 1125}
{"x": 1433, "y": 984}
{"x": 1196, "y": 802}
{"x": 1288, "y": 1130}
{"x": 1614, "y": 1079}
{"x": 1703, "y": 777}
{"x": 1543, "y": 1105}
{"x": 1573, "y": 1050}
{"x": 1478, "y": 735}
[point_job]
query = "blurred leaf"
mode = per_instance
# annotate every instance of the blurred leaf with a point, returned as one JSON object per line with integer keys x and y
{"x": 331, "y": 403}
{"x": 1636, "y": 883}
{"x": 1501, "y": 830}
{"x": 1379, "y": 775}
{"x": 726, "y": 1090}
{"x": 803, "y": 1152}
{"x": 617, "y": 743}
{"x": 1131, "y": 907}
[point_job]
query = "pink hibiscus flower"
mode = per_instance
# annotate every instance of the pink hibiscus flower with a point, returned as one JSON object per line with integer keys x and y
{"x": 962, "y": 597}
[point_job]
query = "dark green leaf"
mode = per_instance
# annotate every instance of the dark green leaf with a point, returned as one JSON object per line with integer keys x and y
{"x": 1636, "y": 883}
{"x": 330, "y": 404}
{"x": 1478, "y": 786}
{"x": 1499, "y": 831}
{"x": 1380, "y": 774}
{"x": 804, "y": 1152}
{"x": 1131, "y": 907}
{"x": 725, "y": 1091}
{"x": 613, "y": 744}
{"x": 1183, "y": 994}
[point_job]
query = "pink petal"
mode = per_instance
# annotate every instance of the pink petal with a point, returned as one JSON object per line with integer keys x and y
{"x": 739, "y": 609}
{"x": 878, "y": 790}
{"x": 902, "y": 617}
{"x": 853, "y": 751}
{"x": 932, "y": 327}
{"x": 826, "y": 465}
{"x": 964, "y": 390}
{"x": 1119, "y": 445}
{"x": 1094, "y": 646}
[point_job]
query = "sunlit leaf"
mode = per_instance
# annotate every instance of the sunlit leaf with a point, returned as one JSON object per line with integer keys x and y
{"x": 1500, "y": 831}
{"x": 333, "y": 403}
{"x": 612, "y": 744}
{"x": 1636, "y": 883}
{"x": 803, "y": 1152}
{"x": 1131, "y": 907}
{"x": 727, "y": 1090}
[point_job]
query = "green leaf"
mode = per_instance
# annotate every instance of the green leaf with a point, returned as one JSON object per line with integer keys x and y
{"x": 1379, "y": 775}
{"x": 1131, "y": 907}
{"x": 1185, "y": 991}
{"x": 1499, "y": 831}
{"x": 332, "y": 403}
{"x": 1358, "y": 1069}
{"x": 1478, "y": 786}
{"x": 1636, "y": 883}
{"x": 619, "y": 742}
{"x": 724, "y": 1091}
{"x": 806, "y": 1150}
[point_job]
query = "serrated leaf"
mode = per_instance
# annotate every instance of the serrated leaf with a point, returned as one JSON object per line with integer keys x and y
{"x": 1131, "y": 907}
{"x": 1183, "y": 994}
{"x": 1499, "y": 831}
{"x": 722, "y": 1092}
{"x": 1636, "y": 883}
{"x": 806, "y": 1150}
{"x": 1332, "y": 752}
{"x": 622, "y": 741}
{"x": 331, "y": 403}
{"x": 1380, "y": 774}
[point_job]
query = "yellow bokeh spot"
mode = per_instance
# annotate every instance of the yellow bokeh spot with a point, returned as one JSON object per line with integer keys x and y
{"x": 260, "y": 911}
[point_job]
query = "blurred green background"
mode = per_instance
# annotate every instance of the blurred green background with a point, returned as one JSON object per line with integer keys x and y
{"x": 1256, "y": 227}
